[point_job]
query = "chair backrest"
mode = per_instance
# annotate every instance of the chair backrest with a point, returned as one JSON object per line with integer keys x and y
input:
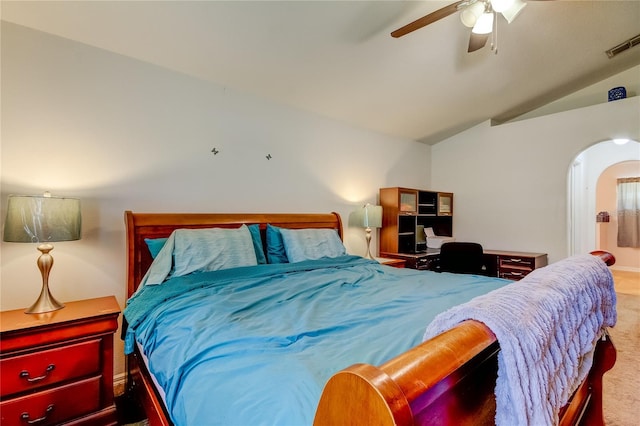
{"x": 462, "y": 258}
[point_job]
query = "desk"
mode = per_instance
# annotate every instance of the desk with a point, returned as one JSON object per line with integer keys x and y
{"x": 422, "y": 261}
{"x": 389, "y": 261}
{"x": 513, "y": 265}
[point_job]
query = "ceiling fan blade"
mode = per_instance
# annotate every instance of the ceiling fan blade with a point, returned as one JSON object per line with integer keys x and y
{"x": 427, "y": 19}
{"x": 477, "y": 41}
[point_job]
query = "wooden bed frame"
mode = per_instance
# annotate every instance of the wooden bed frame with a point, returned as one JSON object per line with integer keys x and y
{"x": 448, "y": 380}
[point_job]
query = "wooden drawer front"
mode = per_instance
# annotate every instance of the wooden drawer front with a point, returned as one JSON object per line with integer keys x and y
{"x": 517, "y": 262}
{"x": 513, "y": 273}
{"x": 52, "y": 406}
{"x": 34, "y": 370}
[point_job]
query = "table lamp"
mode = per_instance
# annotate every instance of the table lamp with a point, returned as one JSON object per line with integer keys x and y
{"x": 369, "y": 216}
{"x": 42, "y": 219}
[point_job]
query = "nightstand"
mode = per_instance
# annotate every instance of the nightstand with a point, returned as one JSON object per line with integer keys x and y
{"x": 58, "y": 366}
{"x": 396, "y": 263}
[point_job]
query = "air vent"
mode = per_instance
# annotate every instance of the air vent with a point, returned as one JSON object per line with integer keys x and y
{"x": 633, "y": 41}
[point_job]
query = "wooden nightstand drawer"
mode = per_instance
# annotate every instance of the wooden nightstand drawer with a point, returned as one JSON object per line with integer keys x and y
{"x": 37, "y": 369}
{"x": 54, "y": 405}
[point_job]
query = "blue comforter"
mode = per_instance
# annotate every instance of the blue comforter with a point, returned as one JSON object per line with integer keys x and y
{"x": 255, "y": 345}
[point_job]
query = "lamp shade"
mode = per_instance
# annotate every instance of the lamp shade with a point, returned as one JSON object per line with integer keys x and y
{"x": 369, "y": 216}
{"x": 42, "y": 219}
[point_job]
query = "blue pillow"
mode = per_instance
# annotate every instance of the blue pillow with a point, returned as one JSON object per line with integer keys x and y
{"x": 155, "y": 245}
{"x": 257, "y": 243}
{"x": 275, "y": 246}
{"x": 310, "y": 244}
{"x": 212, "y": 249}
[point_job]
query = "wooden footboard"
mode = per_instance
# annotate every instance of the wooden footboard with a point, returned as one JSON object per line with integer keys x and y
{"x": 447, "y": 380}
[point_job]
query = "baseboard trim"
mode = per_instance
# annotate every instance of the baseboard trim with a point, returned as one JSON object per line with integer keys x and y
{"x": 625, "y": 268}
{"x": 119, "y": 383}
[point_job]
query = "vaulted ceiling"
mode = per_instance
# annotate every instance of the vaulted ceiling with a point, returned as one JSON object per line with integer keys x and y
{"x": 337, "y": 58}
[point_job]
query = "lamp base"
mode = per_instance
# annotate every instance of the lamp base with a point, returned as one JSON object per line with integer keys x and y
{"x": 46, "y": 302}
{"x": 368, "y": 238}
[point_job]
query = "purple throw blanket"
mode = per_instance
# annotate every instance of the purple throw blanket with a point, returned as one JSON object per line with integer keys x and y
{"x": 547, "y": 325}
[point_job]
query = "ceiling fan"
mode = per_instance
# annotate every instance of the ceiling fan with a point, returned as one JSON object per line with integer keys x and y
{"x": 479, "y": 15}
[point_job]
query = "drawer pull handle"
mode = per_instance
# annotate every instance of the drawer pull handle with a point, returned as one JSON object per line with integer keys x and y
{"x": 25, "y": 374}
{"x": 26, "y": 417}
{"x": 515, "y": 260}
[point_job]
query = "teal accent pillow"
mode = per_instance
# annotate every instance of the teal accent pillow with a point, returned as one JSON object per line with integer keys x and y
{"x": 257, "y": 243}
{"x": 212, "y": 249}
{"x": 275, "y": 246}
{"x": 155, "y": 245}
{"x": 310, "y": 244}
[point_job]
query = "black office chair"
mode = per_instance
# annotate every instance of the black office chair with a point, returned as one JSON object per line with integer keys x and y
{"x": 462, "y": 258}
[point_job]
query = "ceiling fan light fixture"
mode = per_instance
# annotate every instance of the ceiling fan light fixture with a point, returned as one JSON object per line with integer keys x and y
{"x": 470, "y": 14}
{"x": 513, "y": 10}
{"x": 501, "y": 5}
{"x": 484, "y": 25}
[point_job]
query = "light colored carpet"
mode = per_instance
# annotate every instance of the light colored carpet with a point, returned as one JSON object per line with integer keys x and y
{"x": 622, "y": 382}
{"x": 627, "y": 282}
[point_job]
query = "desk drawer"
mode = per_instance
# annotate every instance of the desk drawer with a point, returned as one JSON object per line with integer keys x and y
{"x": 31, "y": 371}
{"x": 52, "y": 406}
{"x": 527, "y": 263}
{"x": 513, "y": 274}
{"x": 422, "y": 263}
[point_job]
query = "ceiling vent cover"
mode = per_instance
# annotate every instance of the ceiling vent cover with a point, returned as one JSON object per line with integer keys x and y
{"x": 633, "y": 41}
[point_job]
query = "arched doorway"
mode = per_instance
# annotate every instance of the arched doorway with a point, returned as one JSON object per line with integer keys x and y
{"x": 582, "y": 180}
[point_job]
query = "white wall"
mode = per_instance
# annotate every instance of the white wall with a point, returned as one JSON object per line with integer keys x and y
{"x": 121, "y": 134}
{"x": 510, "y": 181}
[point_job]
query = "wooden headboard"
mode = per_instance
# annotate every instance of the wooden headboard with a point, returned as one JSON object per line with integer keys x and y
{"x": 158, "y": 225}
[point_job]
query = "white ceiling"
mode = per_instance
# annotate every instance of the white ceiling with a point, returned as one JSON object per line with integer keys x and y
{"x": 336, "y": 58}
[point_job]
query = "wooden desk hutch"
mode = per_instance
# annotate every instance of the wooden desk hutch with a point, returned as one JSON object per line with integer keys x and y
{"x": 406, "y": 212}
